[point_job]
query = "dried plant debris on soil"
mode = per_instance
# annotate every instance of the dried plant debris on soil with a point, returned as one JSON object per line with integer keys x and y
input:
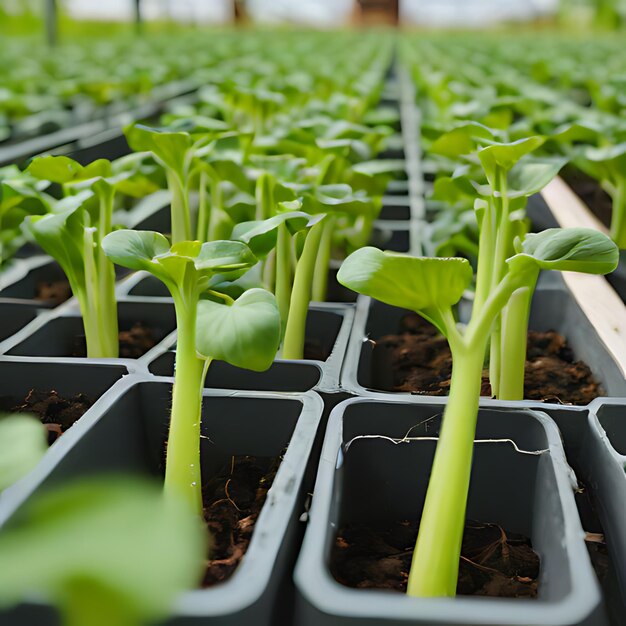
{"x": 55, "y": 411}
{"x": 233, "y": 500}
{"x": 134, "y": 343}
{"x": 418, "y": 360}
{"x": 493, "y": 561}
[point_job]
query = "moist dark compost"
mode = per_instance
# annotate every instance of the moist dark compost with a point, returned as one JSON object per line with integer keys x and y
{"x": 493, "y": 561}
{"x": 233, "y": 500}
{"x": 134, "y": 343}
{"x": 418, "y": 360}
{"x": 56, "y": 412}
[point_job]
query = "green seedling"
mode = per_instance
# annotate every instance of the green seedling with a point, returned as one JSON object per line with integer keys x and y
{"x": 210, "y": 325}
{"x": 20, "y": 195}
{"x": 295, "y": 239}
{"x": 176, "y": 153}
{"x": 104, "y": 552}
{"x": 608, "y": 166}
{"x": 73, "y": 233}
{"x": 431, "y": 287}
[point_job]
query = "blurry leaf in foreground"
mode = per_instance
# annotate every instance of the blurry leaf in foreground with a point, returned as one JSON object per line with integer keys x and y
{"x": 105, "y": 551}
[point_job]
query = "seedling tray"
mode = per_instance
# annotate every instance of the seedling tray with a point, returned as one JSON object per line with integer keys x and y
{"x": 375, "y": 465}
{"x": 127, "y": 433}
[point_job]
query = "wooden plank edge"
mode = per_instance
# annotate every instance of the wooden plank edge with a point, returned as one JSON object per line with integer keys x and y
{"x": 595, "y": 296}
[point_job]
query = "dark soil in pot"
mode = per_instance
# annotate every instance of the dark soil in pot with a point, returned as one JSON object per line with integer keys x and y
{"x": 233, "y": 500}
{"x": 493, "y": 561}
{"x": 53, "y": 292}
{"x": 56, "y": 412}
{"x": 417, "y": 359}
{"x": 598, "y": 549}
{"x": 591, "y": 193}
{"x": 134, "y": 342}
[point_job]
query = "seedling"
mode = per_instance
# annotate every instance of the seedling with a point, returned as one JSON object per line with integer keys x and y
{"x": 512, "y": 176}
{"x": 431, "y": 287}
{"x": 20, "y": 195}
{"x": 211, "y": 325}
{"x": 608, "y": 166}
{"x": 73, "y": 233}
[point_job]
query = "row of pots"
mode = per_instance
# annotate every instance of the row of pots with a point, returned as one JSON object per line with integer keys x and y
{"x": 367, "y": 467}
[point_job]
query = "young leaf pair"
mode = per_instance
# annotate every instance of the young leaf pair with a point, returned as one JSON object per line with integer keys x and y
{"x": 210, "y": 325}
{"x": 431, "y": 287}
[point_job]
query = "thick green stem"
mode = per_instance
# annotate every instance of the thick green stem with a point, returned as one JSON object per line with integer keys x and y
{"x": 434, "y": 568}
{"x": 283, "y": 274}
{"x": 435, "y": 564}
{"x": 495, "y": 355}
{"x": 618, "y": 216}
{"x": 514, "y": 333}
{"x": 107, "y": 309}
{"x": 182, "y": 470}
{"x": 89, "y": 300}
{"x": 181, "y": 220}
{"x": 486, "y": 247}
{"x": 322, "y": 263}
{"x": 293, "y": 342}
{"x": 202, "y": 230}
{"x": 503, "y": 245}
{"x": 264, "y": 192}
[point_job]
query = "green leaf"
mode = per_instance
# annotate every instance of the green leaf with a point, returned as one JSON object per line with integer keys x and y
{"x": 224, "y": 256}
{"x": 506, "y": 155}
{"x": 568, "y": 250}
{"x": 23, "y": 442}
{"x": 169, "y": 148}
{"x": 245, "y": 333}
{"x": 531, "y": 175}
{"x": 56, "y": 169}
{"x": 61, "y": 236}
{"x": 135, "y": 249}
{"x": 261, "y": 235}
{"x": 527, "y": 177}
{"x": 115, "y": 549}
{"x": 415, "y": 283}
{"x": 461, "y": 140}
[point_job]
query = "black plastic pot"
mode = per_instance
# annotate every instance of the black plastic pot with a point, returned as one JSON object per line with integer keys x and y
{"x": 14, "y": 316}
{"x": 58, "y": 333}
{"x": 520, "y": 480}
{"x": 604, "y": 460}
{"x": 396, "y": 208}
{"x": 21, "y": 278}
{"x": 553, "y": 309}
{"x": 328, "y": 325}
{"x": 128, "y": 435}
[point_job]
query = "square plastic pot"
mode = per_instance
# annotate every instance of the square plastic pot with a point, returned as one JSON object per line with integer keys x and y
{"x": 603, "y": 458}
{"x": 14, "y": 315}
{"x": 55, "y": 334}
{"x": 520, "y": 481}
{"x": 395, "y": 208}
{"x": 553, "y": 308}
{"x": 129, "y": 437}
{"x": 328, "y": 328}
{"x": 22, "y": 279}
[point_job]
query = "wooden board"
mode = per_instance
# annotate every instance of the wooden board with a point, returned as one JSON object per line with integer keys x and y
{"x": 596, "y": 297}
